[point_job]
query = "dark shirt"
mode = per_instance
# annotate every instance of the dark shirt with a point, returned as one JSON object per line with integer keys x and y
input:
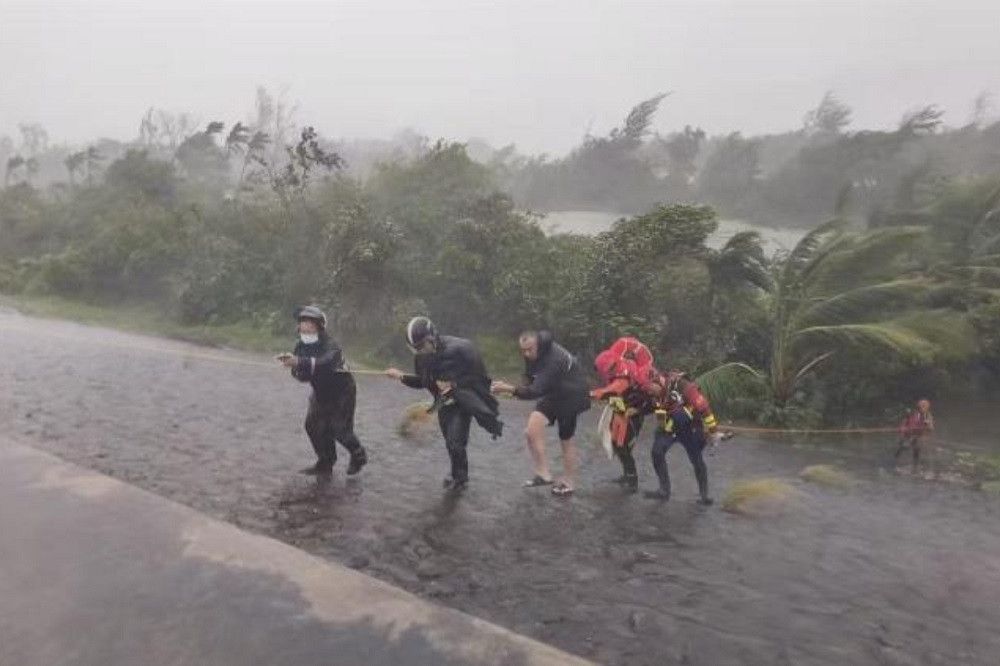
{"x": 456, "y": 360}
{"x": 555, "y": 374}
{"x": 320, "y": 363}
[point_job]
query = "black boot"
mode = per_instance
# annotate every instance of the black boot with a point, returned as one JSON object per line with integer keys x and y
{"x": 702, "y": 476}
{"x": 359, "y": 458}
{"x": 454, "y": 485}
{"x": 630, "y": 476}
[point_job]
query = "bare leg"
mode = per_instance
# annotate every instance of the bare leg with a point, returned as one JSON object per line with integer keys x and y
{"x": 571, "y": 459}
{"x": 534, "y": 435}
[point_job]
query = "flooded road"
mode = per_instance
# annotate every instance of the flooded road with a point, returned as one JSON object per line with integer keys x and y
{"x": 892, "y": 571}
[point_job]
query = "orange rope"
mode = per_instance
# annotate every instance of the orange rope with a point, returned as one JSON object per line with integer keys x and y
{"x": 931, "y": 440}
{"x": 808, "y": 431}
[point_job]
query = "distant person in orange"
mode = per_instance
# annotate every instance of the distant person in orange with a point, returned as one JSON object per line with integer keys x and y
{"x": 912, "y": 430}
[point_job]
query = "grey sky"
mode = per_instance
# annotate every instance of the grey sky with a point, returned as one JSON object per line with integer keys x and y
{"x": 535, "y": 73}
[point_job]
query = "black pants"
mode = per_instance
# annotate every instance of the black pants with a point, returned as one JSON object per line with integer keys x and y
{"x": 693, "y": 446}
{"x": 455, "y": 424}
{"x": 330, "y": 422}
{"x": 624, "y": 453}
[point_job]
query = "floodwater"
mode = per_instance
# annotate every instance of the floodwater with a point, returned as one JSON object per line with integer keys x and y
{"x": 591, "y": 222}
{"x": 895, "y": 570}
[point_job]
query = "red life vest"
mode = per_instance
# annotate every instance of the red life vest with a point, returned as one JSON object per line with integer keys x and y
{"x": 631, "y": 356}
{"x": 691, "y": 397}
{"x": 916, "y": 423}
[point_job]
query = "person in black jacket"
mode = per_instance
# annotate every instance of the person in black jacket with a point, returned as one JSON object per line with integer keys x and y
{"x": 317, "y": 359}
{"x": 453, "y": 371}
{"x": 555, "y": 379}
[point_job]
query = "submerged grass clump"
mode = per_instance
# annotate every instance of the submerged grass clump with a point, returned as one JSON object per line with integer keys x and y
{"x": 757, "y": 496}
{"x": 992, "y": 487}
{"x": 414, "y": 416}
{"x": 826, "y": 475}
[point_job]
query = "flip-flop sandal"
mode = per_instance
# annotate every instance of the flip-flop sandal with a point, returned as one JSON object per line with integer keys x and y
{"x": 537, "y": 481}
{"x": 561, "y": 490}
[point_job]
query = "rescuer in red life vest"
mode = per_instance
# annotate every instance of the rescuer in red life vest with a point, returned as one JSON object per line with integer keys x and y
{"x": 705, "y": 425}
{"x": 684, "y": 415}
{"x": 626, "y": 369}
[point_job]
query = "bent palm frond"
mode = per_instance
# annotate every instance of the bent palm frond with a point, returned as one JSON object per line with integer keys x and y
{"x": 730, "y": 380}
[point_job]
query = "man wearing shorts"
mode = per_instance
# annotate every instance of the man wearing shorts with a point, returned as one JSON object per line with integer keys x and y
{"x": 556, "y": 380}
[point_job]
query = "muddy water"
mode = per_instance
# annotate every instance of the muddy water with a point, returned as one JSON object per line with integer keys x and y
{"x": 895, "y": 571}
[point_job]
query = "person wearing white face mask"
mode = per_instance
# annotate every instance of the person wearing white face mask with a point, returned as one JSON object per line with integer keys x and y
{"x": 319, "y": 360}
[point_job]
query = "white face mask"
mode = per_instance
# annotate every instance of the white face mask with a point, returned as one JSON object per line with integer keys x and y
{"x": 309, "y": 338}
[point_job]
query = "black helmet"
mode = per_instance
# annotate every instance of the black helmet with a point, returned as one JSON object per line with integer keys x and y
{"x": 311, "y": 312}
{"x": 418, "y": 330}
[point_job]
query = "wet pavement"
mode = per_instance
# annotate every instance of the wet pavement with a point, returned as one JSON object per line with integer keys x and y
{"x": 138, "y": 579}
{"x": 892, "y": 571}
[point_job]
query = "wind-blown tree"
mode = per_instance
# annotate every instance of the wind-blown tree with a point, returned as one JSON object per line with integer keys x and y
{"x": 602, "y": 173}
{"x": 978, "y": 242}
{"x": 86, "y": 160}
{"x": 489, "y": 267}
{"x": 74, "y": 162}
{"x": 739, "y": 278}
{"x": 34, "y": 139}
{"x": 920, "y": 122}
{"x": 201, "y": 158}
{"x": 306, "y": 159}
{"x": 428, "y": 195}
{"x": 678, "y": 154}
{"x": 964, "y": 219}
{"x": 731, "y": 175}
{"x": 965, "y": 223}
{"x": 137, "y": 175}
{"x": 840, "y": 292}
{"x": 740, "y": 263}
{"x": 830, "y": 118}
{"x": 14, "y": 163}
{"x": 645, "y": 277}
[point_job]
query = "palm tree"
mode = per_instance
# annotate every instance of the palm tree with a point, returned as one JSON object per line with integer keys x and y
{"x": 839, "y": 290}
{"x": 981, "y": 263}
{"x": 741, "y": 262}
